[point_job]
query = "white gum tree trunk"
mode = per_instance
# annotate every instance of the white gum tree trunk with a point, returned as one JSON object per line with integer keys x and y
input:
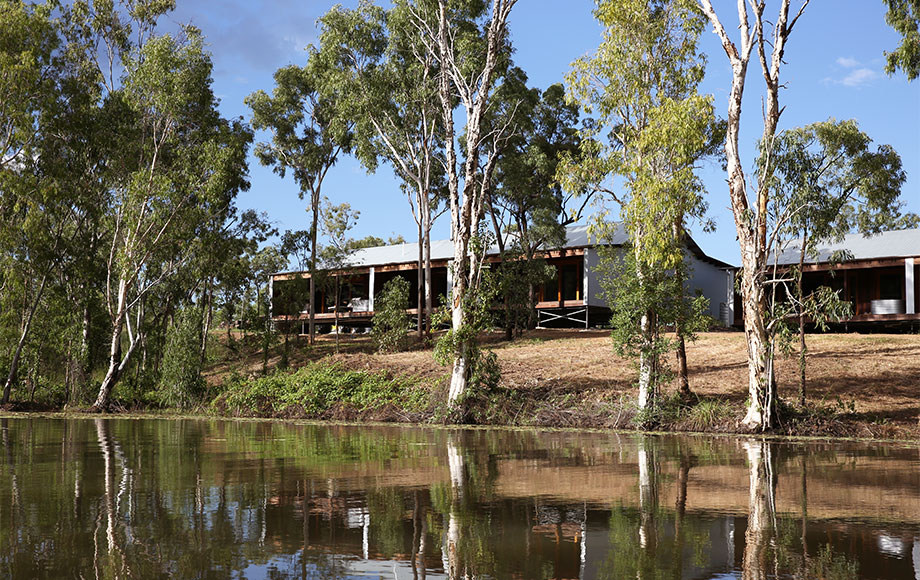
{"x": 761, "y": 510}
{"x": 751, "y": 219}
{"x": 456, "y": 465}
{"x": 466, "y": 203}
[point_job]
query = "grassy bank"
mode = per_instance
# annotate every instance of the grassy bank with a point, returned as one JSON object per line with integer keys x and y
{"x": 859, "y": 385}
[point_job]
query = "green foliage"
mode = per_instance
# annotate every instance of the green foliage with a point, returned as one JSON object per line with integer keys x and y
{"x": 904, "y": 17}
{"x": 374, "y": 241}
{"x": 123, "y": 188}
{"x": 484, "y": 372}
{"x": 828, "y": 180}
{"x": 517, "y": 276}
{"x": 825, "y": 180}
{"x": 651, "y": 131}
{"x": 391, "y": 321}
{"x": 316, "y": 389}
{"x": 708, "y": 415}
{"x": 822, "y": 306}
{"x": 308, "y": 133}
{"x": 631, "y": 296}
{"x": 181, "y": 384}
{"x": 479, "y": 318}
{"x": 529, "y": 207}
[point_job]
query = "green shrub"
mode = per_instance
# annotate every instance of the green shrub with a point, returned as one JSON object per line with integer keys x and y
{"x": 391, "y": 322}
{"x": 316, "y": 388}
{"x": 181, "y": 384}
{"x": 708, "y": 414}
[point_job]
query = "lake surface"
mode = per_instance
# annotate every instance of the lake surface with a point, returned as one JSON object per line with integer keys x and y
{"x": 149, "y": 498}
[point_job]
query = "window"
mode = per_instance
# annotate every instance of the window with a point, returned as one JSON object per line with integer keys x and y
{"x": 571, "y": 282}
{"x": 890, "y": 286}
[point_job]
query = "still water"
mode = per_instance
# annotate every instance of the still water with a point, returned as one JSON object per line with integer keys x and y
{"x": 121, "y": 498}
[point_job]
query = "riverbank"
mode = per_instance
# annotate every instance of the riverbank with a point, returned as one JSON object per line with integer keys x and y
{"x": 865, "y": 386}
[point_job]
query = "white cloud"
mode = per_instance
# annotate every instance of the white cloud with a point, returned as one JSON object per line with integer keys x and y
{"x": 859, "y": 77}
{"x": 855, "y": 74}
{"x": 847, "y": 62}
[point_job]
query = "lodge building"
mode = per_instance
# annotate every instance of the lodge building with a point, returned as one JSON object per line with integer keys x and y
{"x": 573, "y": 298}
{"x": 879, "y": 275}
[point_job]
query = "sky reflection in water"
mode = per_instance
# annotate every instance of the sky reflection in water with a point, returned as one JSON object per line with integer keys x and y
{"x": 121, "y": 498}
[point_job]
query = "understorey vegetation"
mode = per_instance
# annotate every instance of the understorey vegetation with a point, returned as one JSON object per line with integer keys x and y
{"x": 547, "y": 379}
{"x": 324, "y": 391}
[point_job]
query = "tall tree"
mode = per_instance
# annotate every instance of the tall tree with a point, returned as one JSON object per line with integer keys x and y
{"x": 180, "y": 162}
{"x": 828, "y": 181}
{"x": 390, "y": 83}
{"x": 528, "y": 208}
{"x": 308, "y": 134}
{"x": 46, "y": 201}
{"x": 535, "y": 205}
{"x": 751, "y": 219}
{"x": 28, "y": 89}
{"x": 642, "y": 85}
{"x": 225, "y": 266}
{"x": 469, "y": 43}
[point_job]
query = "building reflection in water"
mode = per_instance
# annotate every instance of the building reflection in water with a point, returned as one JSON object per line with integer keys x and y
{"x": 193, "y": 499}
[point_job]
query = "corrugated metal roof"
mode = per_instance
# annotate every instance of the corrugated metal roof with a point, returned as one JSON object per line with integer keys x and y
{"x": 400, "y": 253}
{"x": 576, "y": 237}
{"x": 896, "y": 244}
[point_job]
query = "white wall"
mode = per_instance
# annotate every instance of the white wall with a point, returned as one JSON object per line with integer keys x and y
{"x": 593, "y": 293}
{"x": 714, "y": 282}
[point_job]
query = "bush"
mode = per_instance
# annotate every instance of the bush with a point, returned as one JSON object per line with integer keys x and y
{"x": 316, "y": 389}
{"x": 181, "y": 384}
{"x": 708, "y": 415}
{"x": 391, "y": 322}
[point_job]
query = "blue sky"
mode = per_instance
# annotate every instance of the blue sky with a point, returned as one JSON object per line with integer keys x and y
{"x": 834, "y": 68}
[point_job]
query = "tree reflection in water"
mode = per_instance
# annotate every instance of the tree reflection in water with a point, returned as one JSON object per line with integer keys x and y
{"x": 779, "y": 548}
{"x": 195, "y": 499}
{"x": 762, "y": 509}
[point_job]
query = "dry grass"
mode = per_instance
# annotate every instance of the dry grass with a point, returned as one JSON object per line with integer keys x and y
{"x": 858, "y": 385}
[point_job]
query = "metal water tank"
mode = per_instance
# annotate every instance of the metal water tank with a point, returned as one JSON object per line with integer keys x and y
{"x": 888, "y": 306}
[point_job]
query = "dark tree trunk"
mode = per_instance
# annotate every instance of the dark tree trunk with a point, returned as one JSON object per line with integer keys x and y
{"x": 313, "y": 233}
{"x": 803, "y": 348}
{"x": 500, "y": 240}
{"x": 683, "y": 381}
{"x": 336, "y": 312}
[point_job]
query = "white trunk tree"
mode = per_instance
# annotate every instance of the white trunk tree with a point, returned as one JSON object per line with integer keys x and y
{"x": 751, "y": 218}
{"x": 468, "y": 184}
{"x": 762, "y": 510}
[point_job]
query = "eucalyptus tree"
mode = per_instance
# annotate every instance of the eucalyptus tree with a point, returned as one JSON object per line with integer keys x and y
{"x": 178, "y": 164}
{"x": 904, "y": 17}
{"x": 44, "y": 204}
{"x": 469, "y": 44}
{"x": 528, "y": 208}
{"x": 338, "y": 220}
{"x": 752, "y": 215}
{"x": 296, "y": 247}
{"x": 828, "y": 181}
{"x": 642, "y": 86}
{"x": 224, "y": 266}
{"x": 308, "y": 135}
{"x": 29, "y": 59}
{"x": 390, "y": 83}
{"x": 30, "y": 239}
{"x": 536, "y": 206}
